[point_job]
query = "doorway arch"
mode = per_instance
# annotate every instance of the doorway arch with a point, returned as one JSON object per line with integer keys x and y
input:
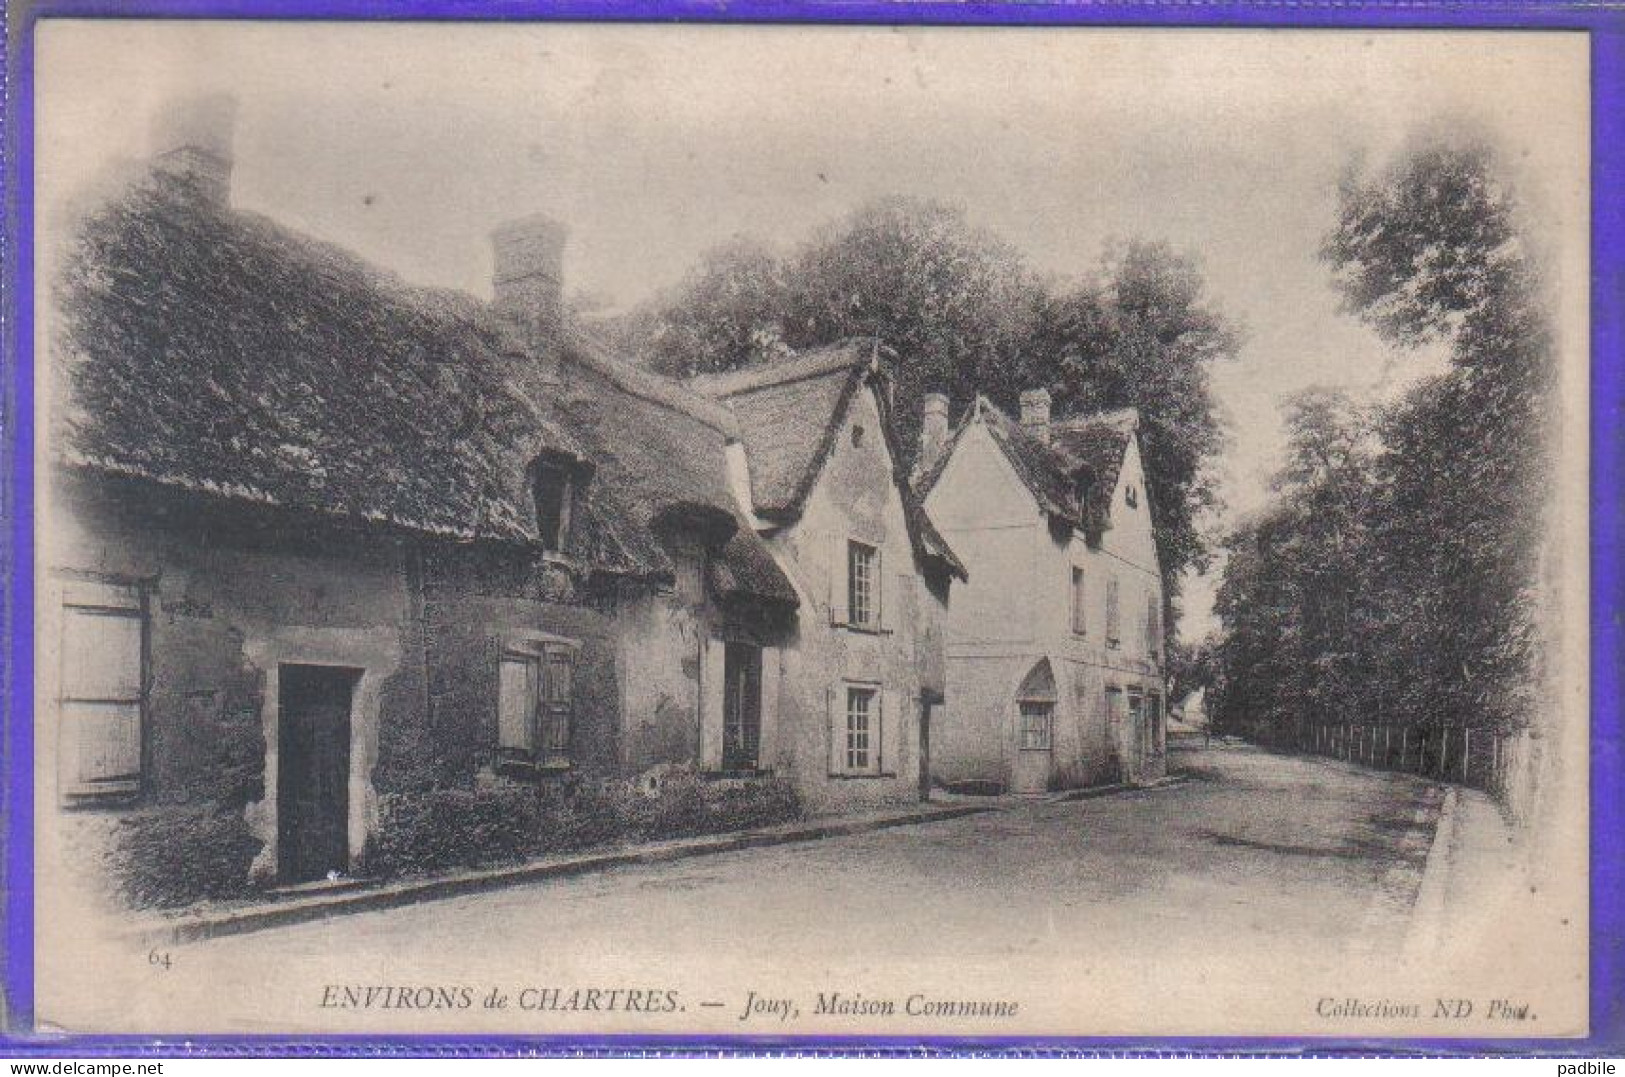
{"x": 1034, "y": 755}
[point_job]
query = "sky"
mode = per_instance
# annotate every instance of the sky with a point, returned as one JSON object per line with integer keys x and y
{"x": 407, "y": 143}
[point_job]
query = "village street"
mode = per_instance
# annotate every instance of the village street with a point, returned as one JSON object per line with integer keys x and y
{"x": 1257, "y": 861}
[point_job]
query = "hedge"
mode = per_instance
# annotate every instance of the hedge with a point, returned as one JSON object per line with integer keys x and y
{"x": 172, "y": 855}
{"x": 445, "y": 829}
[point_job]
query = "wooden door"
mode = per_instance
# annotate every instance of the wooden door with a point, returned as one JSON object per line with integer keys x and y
{"x": 925, "y": 749}
{"x": 742, "y": 708}
{"x": 1136, "y": 736}
{"x": 313, "y": 771}
{"x": 1035, "y": 747}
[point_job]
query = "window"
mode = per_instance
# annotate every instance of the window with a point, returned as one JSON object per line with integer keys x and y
{"x": 862, "y": 584}
{"x": 1037, "y": 725}
{"x": 862, "y": 747}
{"x": 552, "y": 492}
{"x": 1153, "y": 725}
{"x": 1113, "y": 613}
{"x": 1080, "y": 607}
{"x": 1153, "y": 625}
{"x": 536, "y": 701}
{"x": 1131, "y": 494}
{"x": 103, "y": 688}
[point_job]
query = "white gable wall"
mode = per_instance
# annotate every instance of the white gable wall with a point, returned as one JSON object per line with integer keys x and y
{"x": 855, "y": 497}
{"x": 1016, "y": 611}
{"x": 990, "y": 520}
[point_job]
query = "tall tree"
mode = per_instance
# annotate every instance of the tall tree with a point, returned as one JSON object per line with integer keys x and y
{"x": 1298, "y": 626}
{"x": 965, "y": 315}
{"x": 729, "y": 311}
{"x": 1145, "y": 334}
{"x": 1401, "y": 579}
{"x": 1430, "y": 249}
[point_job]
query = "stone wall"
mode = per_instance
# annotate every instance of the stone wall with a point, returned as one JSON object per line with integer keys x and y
{"x": 231, "y": 592}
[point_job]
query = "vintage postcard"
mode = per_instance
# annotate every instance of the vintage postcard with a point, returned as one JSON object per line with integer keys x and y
{"x": 806, "y": 531}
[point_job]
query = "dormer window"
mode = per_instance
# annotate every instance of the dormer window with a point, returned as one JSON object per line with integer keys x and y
{"x": 554, "y": 482}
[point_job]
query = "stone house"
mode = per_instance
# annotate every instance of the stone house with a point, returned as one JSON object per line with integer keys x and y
{"x": 1055, "y": 644}
{"x": 820, "y": 473}
{"x": 311, "y": 536}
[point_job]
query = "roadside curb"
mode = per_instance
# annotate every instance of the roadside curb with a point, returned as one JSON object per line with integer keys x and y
{"x": 1094, "y": 791}
{"x": 1427, "y": 914}
{"x": 393, "y": 895}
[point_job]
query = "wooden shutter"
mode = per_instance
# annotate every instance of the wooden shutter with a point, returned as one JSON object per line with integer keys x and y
{"x": 835, "y": 713}
{"x": 516, "y": 703}
{"x": 877, "y": 589}
{"x": 558, "y": 699}
{"x": 1080, "y": 608}
{"x": 101, "y": 702}
{"x": 889, "y": 743}
{"x": 837, "y": 579}
{"x": 1113, "y": 612}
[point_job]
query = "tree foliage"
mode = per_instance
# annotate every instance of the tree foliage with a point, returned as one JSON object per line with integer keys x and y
{"x": 1145, "y": 335}
{"x": 1398, "y": 566}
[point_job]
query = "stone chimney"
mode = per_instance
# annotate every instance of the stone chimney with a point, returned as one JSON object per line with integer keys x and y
{"x": 527, "y": 280}
{"x": 192, "y": 141}
{"x": 1035, "y": 413}
{"x": 933, "y": 429}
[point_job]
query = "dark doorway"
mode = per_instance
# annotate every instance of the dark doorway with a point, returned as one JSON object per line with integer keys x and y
{"x": 313, "y": 771}
{"x": 925, "y": 748}
{"x": 742, "y": 708}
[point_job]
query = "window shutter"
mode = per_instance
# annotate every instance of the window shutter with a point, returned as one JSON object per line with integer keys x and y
{"x": 558, "y": 700}
{"x": 834, "y": 709}
{"x": 1080, "y": 609}
{"x": 103, "y": 740}
{"x": 878, "y": 586}
{"x": 515, "y": 704}
{"x": 1113, "y": 613}
{"x": 838, "y": 554}
{"x": 889, "y": 741}
{"x": 101, "y": 697}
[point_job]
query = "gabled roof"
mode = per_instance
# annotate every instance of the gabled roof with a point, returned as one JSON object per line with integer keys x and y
{"x": 1084, "y": 456}
{"x": 789, "y": 413}
{"x": 214, "y": 350}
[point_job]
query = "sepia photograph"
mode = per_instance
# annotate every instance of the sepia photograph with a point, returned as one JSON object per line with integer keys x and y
{"x": 783, "y": 532}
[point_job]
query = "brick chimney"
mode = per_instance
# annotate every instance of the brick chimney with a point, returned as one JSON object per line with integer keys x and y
{"x": 1035, "y": 413}
{"x": 527, "y": 281}
{"x": 192, "y": 142}
{"x": 933, "y": 429}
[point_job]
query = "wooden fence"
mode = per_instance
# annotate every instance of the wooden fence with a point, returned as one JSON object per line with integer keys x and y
{"x": 1481, "y": 758}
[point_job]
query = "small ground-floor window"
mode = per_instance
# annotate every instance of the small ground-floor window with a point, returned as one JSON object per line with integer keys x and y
{"x": 861, "y": 754}
{"x": 1037, "y": 726}
{"x": 536, "y": 704}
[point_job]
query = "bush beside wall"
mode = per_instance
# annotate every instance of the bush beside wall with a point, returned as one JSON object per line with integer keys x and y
{"x": 445, "y": 829}
{"x": 172, "y": 855}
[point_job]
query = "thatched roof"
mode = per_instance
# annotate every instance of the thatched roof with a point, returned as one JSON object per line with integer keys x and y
{"x": 214, "y": 350}
{"x": 1072, "y": 477}
{"x": 789, "y": 413}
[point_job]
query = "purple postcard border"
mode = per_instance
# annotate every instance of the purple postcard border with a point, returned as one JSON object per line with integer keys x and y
{"x": 1604, "y": 22}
